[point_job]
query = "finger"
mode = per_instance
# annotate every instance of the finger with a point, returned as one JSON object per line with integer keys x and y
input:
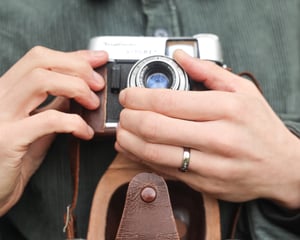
{"x": 126, "y": 153}
{"x": 95, "y": 58}
{"x": 214, "y": 187}
{"x": 158, "y": 128}
{"x": 79, "y": 64}
{"x": 198, "y": 106}
{"x": 193, "y": 179}
{"x": 163, "y": 171}
{"x": 213, "y": 76}
{"x": 205, "y": 164}
{"x": 58, "y": 84}
{"x": 159, "y": 154}
{"x": 41, "y": 82}
{"x": 48, "y": 122}
{"x": 146, "y": 151}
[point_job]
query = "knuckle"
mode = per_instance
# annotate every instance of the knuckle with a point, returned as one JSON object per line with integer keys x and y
{"x": 82, "y": 66}
{"x": 149, "y": 127}
{"x": 227, "y": 176}
{"x": 128, "y": 97}
{"x": 70, "y": 122}
{"x": 226, "y": 144}
{"x": 75, "y": 122}
{"x": 81, "y": 89}
{"x": 213, "y": 187}
{"x": 51, "y": 117}
{"x": 165, "y": 102}
{"x": 37, "y": 75}
{"x": 235, "y": 108}
{"x": 150, "y": 153}
{"x": 82, "y": 69}
{"x": 228, "y": 173}
{"x": 37, "y": 51}
{"x": 249, "y": 85}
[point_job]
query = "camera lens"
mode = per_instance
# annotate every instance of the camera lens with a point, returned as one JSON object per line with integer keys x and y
{"x": 157, "y": 80}
{"x": 158, "y": 72}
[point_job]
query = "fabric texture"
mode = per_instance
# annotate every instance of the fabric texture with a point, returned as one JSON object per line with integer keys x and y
{"x": 260, "y": 36}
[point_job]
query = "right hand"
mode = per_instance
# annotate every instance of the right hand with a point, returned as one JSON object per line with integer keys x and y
{"x": 238, "y": 144}
{"x": 25, "y": 132}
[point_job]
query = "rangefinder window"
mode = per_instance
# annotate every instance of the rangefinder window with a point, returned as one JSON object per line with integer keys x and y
{"x": 190, "y": 46}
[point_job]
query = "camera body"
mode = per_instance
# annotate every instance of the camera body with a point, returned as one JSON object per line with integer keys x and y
{"x": 144, "y": 62}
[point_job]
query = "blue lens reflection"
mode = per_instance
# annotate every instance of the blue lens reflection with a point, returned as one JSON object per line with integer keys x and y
{"x": 157, "y": 80}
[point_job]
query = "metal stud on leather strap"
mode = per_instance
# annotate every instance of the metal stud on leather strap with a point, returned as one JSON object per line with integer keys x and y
{"x": 149, "y": 216}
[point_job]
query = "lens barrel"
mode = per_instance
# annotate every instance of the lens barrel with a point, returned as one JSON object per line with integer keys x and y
{"x": 158, "y": 72}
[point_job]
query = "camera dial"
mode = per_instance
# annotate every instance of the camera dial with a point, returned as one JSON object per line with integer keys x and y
{"x": 158, "y": 72}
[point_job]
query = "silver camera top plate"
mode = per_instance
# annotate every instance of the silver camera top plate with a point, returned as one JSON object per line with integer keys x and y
{"x": 138, "y": 47}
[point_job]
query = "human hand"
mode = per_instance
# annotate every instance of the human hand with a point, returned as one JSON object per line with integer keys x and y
{"x": 240, "y": 149}
{"x": 26, "y": 133}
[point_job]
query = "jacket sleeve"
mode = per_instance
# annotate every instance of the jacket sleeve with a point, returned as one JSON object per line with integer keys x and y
{"x": 263, "y": 219}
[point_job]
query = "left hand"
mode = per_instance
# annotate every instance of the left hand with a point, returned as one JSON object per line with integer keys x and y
{"x": 240, "y": 149}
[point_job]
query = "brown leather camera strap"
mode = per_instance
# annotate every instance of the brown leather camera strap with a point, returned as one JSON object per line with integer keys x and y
{"x": 102, "y": 222}
{"x": 147, "y": 212}
{"x": 69, "y": 217}
{"x": 120, "y": 172}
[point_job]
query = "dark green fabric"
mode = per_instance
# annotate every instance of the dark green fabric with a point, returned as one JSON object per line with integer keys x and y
{"x": 261, "y": 36}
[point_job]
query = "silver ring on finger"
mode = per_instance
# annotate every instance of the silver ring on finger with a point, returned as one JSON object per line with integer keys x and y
{"x": 185, "y": 160}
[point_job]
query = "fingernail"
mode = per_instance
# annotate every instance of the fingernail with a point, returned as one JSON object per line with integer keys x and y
{"x": 90, "y": 131}
{"x": 98, "y": 54}
{"x": 122, "y": 97}
{"x": 98, "y": 79}
{"x": 95, "y": 99}
{"x": 179, "y": 53}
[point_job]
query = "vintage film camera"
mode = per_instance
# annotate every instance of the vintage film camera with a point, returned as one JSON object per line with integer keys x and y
{"x": 144, "y": 62}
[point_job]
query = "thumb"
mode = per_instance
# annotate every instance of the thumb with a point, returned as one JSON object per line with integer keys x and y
{"x": 210, "y": 74}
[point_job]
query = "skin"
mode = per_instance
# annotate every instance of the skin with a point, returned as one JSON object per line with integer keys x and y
{"x": 240, "y": 149}
{"x": 26, "y": 133}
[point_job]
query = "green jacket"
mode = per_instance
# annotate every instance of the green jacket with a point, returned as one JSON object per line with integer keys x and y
{"x": 260, "y": 36}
